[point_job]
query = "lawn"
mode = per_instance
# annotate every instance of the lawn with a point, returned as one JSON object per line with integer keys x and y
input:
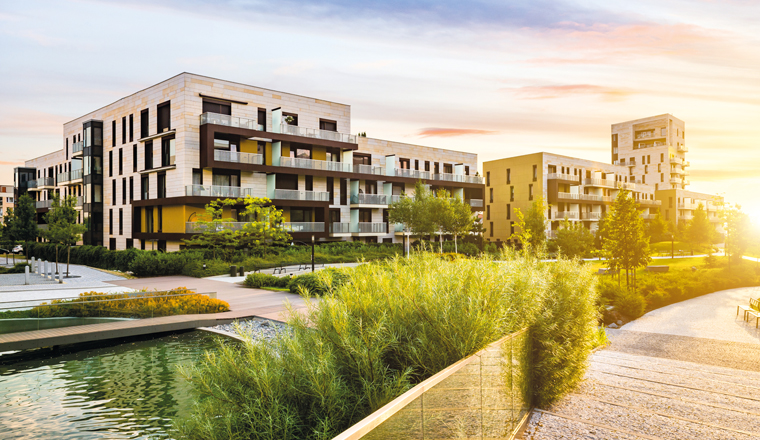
{"x": 679, "y": 248}
{"x": 675, "y": 263}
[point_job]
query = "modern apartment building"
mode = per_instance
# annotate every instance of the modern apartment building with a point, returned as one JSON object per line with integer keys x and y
{"x": 654, "y": 150}
{"x": 144, "y": 167}
{"x": 679, "y": 205}
{"x": 7, "y": 198}
{"x": 576, "y": 189}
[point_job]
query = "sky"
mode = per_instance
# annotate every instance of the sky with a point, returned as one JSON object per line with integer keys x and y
{"x": 497, "y": 78}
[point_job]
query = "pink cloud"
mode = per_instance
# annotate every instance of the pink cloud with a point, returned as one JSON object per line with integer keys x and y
{"x": 561, "y": 91}
{"x": 452, "y": 132}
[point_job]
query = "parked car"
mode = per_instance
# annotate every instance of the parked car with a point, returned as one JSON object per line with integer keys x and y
{"x": 18, "y": 249}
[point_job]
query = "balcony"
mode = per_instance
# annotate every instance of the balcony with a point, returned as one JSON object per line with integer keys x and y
{"x": 567, "y": 215}
{"x": 648, "y": 216}
{"x": 685, "y": 217}
{"x": 627, "y": 185}
{"x": 340, "y": 228}
{"x": 237, "y": 157}
{"x": 683, "y": 149}
{"x": 230, "y": 121}
{"x": 476, "y": 203}
{"x": 676, "y": 171}
{"x": 414, "y": 174}
{"x": 80, "y": 202}
{"x": 77, "y": 148}
{"x": 566, "y": 177}
{"x": 677, "y": 160}
{"x": 73, "y": 177}
{"x": 217, "y": 191}
{"x": 369, "y": 228}
{"x": 591, "y": 215}
{"x": 294, "y": 194}
{"x": 686, "y": 182}
{"x": 369, "y": 169}
{"x": 604, "y": 183}
{"x": 43, "y": 204}
{"x": 647, "y": 202}
{"x": 327, "y": 135}
{"x": 304, "y": 227}
{"x": 42, "y": 183}
{"x": 311, "y": 164}
{"x": 448, "y": 177}
{"x": 585, "y": 197}
{"x": 398, "y": 228}
{"x": 374, "y": 199}
{"x": 646, "y": 135}
{"x": 675, "y": 180}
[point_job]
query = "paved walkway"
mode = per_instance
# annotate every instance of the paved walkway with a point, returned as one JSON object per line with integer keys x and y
{"x": 289, "y": 271}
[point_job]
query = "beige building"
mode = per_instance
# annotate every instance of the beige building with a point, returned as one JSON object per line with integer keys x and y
{"x": 144, "y": 167}
{"x": 679, "y": 205}
{"x": 7, "y": 199}
{"x": 576, "y": 189}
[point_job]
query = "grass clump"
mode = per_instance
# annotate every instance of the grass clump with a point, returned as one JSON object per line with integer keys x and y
{"x": 383, "y": 328}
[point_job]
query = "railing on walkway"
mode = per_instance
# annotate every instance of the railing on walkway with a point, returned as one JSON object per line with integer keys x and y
{"x": 484, "y": 396}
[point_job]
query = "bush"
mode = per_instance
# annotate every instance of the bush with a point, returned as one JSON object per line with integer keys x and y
{"x": 386, "y": 327}
{"x": 151, "y": 264}
{"x": 17, "y": 268}
{"x": 257, "y": 280}
{"x": 629, "y": 303}
{"x": 318, "y": 283}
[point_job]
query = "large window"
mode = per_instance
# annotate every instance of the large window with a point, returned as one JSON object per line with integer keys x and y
{"x": 124, "y": 191}
{"x": 131, "y": 128}
{"x": 328, "y": 125}
{"x": 134, "y": 158}
{"x": 149, "y": 155}
{"x": 227, "y": 179}
{"x": 121, "y": 161}
{"x": 161, "y": 187}
{"x": 124, "y": 130}
{"x": 113, "y": 133}
{"x": 148, "y": 219}
{"x": 144, "y": 121}
{"x": 145, "y": 187}
{"x": 113, "y": 192}
{"x": 121, "y": 221}
{"x": 217, "y": 107}
{"x": 164, "y": 117}
{"x": 167, "y": 151}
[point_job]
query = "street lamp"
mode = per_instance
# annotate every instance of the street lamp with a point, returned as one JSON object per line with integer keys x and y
{"x": 312, "y": 253}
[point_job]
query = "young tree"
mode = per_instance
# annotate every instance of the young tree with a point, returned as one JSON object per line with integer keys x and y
{"x": 62, "y": 226}
{"x": 24, "y": 225}
{"x": 458, "y": 219}
{"x": 531, "y": 227}
{"x": 416, "y": 214}
{"x": 699, "y": 231}
{"x": 573, "y": 239}
{"x": 657, "y": 228}
{"x": 626, "y": 247}
{"x": 737, "y": 228}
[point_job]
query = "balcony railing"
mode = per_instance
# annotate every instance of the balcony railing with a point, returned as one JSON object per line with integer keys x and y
{"x": 40, "y": 204}
{"x": 77, "y": 147}
{"x": 197, "y": 228}
{"x": 448, "y": 177}
{"x": 317, "y": 134}
{"x": 238, "y": 157}
{"x": 217, "y": 191}
{"x": 414, "y": 174}
{"x": 648, "y": 216}
{"x": 369, "y": 169}
{"x": 311, "y": 164}
{"x": 600, "y": 182}
{"x": 562, "y": 176}
{"x": 646, "y": 135}
{"x": 683, "y": 148}
{"x": 340, "y": 228}
{"x": 370, "y": 199}
{"x": 230, "y": 121}
{"x": 650, "y": 202}
{"x": 80, "y": 201}
{"x": 570, "y": 215}
{"x": 675, "y": 180}
{"x": 68, "y": 176}
{"x": 591, "y": 215}
{"x": 588, "y": 197}
{"x": 304, "y": 226}
{"x": 369, "y": 228}
{"x": 476, "y": 203}
{"x": 294, "y": 194}
{"x": 39, "y": 183}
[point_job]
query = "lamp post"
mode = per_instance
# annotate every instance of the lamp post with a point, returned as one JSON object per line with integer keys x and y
{"x": 671, "y": 246}
{"x": 312, "y": 253}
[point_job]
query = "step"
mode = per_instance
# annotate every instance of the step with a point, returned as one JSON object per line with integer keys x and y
{"x": 655, "y": 362}
{"x": 547, "y": 426}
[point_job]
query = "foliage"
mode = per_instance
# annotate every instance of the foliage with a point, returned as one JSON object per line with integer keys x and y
{"x": 148, "y": 305}
{"x": 574, "y": 240}
{"x": 17, "y": 268}
{"x": 629, "y": 303}
{"x": 158, "y": 264}
{"x": 531, "y": 227}
{"x": 738, "y": 232}
{"x": 417, "y": 213}
{"x": 699, "y": 231}
{"x": 257, "y": 280}
{"x": 318, "y": 283}
{"x": 626, "y": 248}
{"x": 22, "y": 225}
{"x": 391, "y": 325}
{"x": 658, "y": 228}
{"x": 62, "y": 223}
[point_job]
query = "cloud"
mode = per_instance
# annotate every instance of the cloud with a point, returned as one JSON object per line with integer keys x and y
{"x": 294, "y": 69}
{"x": 562, "y": 91}
{"x": 373, "y": 65}
{"x": 11, "y": 163}
{"x": 452, "y": 132}
{"x": 20, "y": 121}
{"x": 726, "y": 174}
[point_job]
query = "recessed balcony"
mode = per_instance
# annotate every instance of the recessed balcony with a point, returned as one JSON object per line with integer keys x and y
{"x": 369, "y": 169}
{"x": 374, "y": 199}
{"x": 43, "y": 204}
{"x": 567, "y": 178}
{"x": 675, "y": 180}
{"x": 218, "y": 191}
{"x": 238, "y": 157}
{"x": 414, "y": 174}
{"x": 476, "y": 203}
{"x": 327, "y": 135}
{"x": 370, "y": 228}
{"x": 230, "y": 121}
{"x": 294, "y": 194}
{"x": 73, "y": 177}
{"x": 77, "y": 148}
{"x": 311, "y": 164}
{"x": 593, "y": 216}
{"x": 567, "y": 215}
{"x": 340, "y": 228}
{"x": 601, "y": 183}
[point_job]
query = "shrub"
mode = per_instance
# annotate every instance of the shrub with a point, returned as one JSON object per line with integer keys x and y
{"x": 630, "y": 303}
{"x": 151, "y": 264}
{"x": 257, "y": 280}
{"x": 318, "y": 283}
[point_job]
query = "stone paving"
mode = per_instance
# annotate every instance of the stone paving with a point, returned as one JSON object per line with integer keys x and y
{"x": 289, "y": 271}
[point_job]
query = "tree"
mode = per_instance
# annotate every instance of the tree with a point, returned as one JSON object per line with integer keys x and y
{"x": 532, "y": 226}
{"x": 738, "y": 233}
{"x": 457, "y": 219}
{"x": 63, "y": 228}
{"x": 573, "y": 239}
{"x": 699, "y": 231}
{"x": 626, "y": 246}
{"x": 415, "y": 213}
{"x": 657, "y": 228}
{"x": 24, "y": 224}
{"x": 263, "y": 225}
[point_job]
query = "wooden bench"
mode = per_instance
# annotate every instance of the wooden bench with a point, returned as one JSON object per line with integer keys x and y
{"x": 657, "y": 268}
{"x": 754, "y": 310}
{"x": 278, "y": 269}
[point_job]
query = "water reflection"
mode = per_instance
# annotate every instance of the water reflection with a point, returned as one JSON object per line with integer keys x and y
{"x": 130, "y": 390}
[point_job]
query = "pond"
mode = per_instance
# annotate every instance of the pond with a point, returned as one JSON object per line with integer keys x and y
{"x": 128, "y": 389}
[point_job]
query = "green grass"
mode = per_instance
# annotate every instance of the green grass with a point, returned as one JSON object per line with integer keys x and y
{"x": 679, "y": 248}
{"x": 275, "y": 289}
{"x": 674, "y": 263}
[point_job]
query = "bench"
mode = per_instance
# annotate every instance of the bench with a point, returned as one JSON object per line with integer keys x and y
{"x": 307, "y": 266}
{"x": 754, "y": 310}
{"x": 278, "y": 269}
{"x": 657, "y": 269}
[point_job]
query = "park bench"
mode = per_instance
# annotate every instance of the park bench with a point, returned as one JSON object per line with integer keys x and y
{"x": 307, "y": 266}
{"x": 278, "y": 269}
{"x": 657, "y": 269}
{"x": 754, "y": 310}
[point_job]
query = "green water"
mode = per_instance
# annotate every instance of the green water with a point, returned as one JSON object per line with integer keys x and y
{"x": 129, "y": 390}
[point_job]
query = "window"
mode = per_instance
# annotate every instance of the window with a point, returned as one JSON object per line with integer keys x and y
{"x": 221, "y": 108}
{"x": 110, "y": 163}
{"x": 662, "y": 177}
{"x": 149, "y": 155}
{"x": 662, "y": 157}
{"x": 197, "y": 177}
{"x": 164, "y": 115}
{"x": 511, "y": 193}
{"x": 124, "y": 191}
{"x": 535, "y": 173}
{"x": 167, "y": 151}
{"x": 649, "y": 159}
{"x": 509, "y": 176}
{"x": 509, "y": 211}
{"x": 113, "y": 192}
{"x": 328, "y": 125}
{"x": 149, "y": 219}
{"x": 124, "y": 130}
{"x": 161, "y": 187}
{"x": 530, "y": 191}
{"x": 262, "y": 118}
{"x": 427, "y": 165}
{"x": 130, "y": 243}
{"x": 131, "y": 128}
{"x": 144, "y": 123}
{"x": 145, "y": 187}
{"x": 343, "y": 192}
{"x": 466, "y": 170}
{"x": 644, "y": 179}
{"x": 488, "y": 212}
{"x": 121, "y": 161}
{"x": 121, "y": 221}
{"x": 309, "y": 181}
{"x": 113, "y": 133}
{"x": 491, "y": 227}
{"x": 131, "y": 189}
{"x": 112, "y": 244}
{"x": 293, "y": 116}
{"x": 160, "y": 220}
{"x": 663, "y": 132}
{"x": 416, "y": 164}
{"x": 490, "y": 195}
{"x": 488, "y": 178}
{"x": 110, "y": 221}
{"x": 331, "y": 189}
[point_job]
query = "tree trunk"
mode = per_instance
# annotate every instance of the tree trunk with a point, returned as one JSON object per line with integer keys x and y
{"x": 456, "y": 248}
{"x": 68, "y": 261}
{"x": 440, "y": 238}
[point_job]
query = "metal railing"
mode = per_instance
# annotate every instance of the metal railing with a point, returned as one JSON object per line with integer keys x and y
{"x": 43, "y": 181}
{"x": 230, "y": 121}
{"x": 448, "y": 177}
{"x": 569, "y": 215}
{"x": 40, "y": 204}
{"x": 69, "y": 176}
{"x": 238, "y": 157}
{"x": 591, "y": 215}
{"x": 588, "y": 197}
{"x": 340, "y": 228}
{"x": 561, "y": 176}
{"x": 294, "y": 194}
{"x": 414, "y": 174}
{"x": 649, "y": 202}
{"x": 311, "y": 164}
{"x": 600, "y": 182}
{"x": 626, "y": 185}
{"x": 476, "y": 203}
{"x": 683, "y": 148}
{"x": 369, "y": 169}
{"x": 369, "y": 228}
{"x": 197, "y": 228}
{"x": 645, "y": 135}
{"x": 217, "y": 191}
{"x": 77, "y": 147}
{"x": 304, "y": 227}
{"x": 370, "y": 199}
{"x": 675, "y": 180}
{"x": 317, "y": 134}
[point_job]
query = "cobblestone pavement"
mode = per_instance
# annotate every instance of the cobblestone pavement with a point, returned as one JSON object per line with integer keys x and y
{"x": 82, "y": 277}
{"x": 19, "y": 279}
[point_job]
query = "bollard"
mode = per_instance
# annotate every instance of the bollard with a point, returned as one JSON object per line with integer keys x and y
{"x": 33, "y": 263}
{"x": 44, "y": 268}
{"x": 58, "y": 277}
{"x": 26, "y": 275}
{"x": 233, "y": 270}
{"x": 49, "y": 269}
{"x": 241, "y": 271}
